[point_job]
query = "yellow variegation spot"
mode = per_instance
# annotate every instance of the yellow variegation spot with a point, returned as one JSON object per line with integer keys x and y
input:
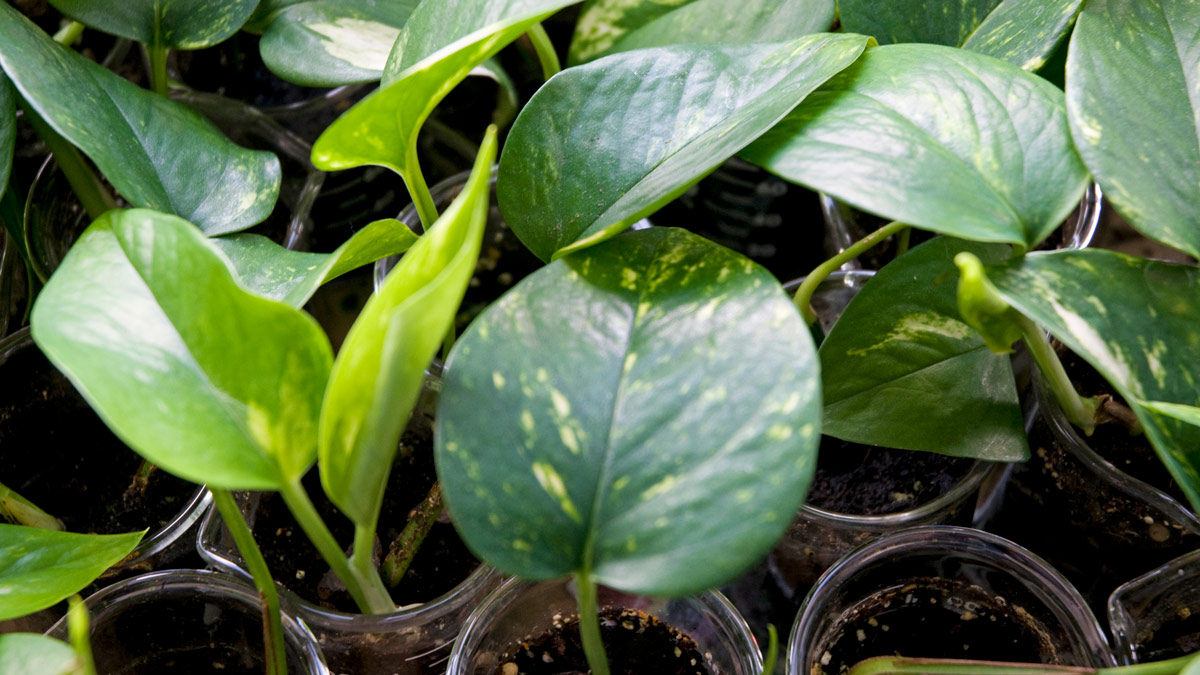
{"x": 553, "y": 484}
{"x": 662, "y": 486}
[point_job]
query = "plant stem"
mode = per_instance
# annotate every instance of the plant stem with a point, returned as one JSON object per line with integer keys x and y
{"x": 368, "y": 591}
{"x": 545, "y": 51}
{"x": 87, "y": 186}
{"x": 1080, "y": 410}
{"x": 772, "y": 650}
{"x": 804, "y": 293}
{"x": 20, "y": 511}
{"x": 69, "y": 34}
{"x": 244, "y": 539}
{"x": 448, "y": 342}
{"x": 158, "y": 68}
{"x": 77, "y": 630}
{"x": 405, "y": 548}
{"x": 589, "y": 624}
{"x": 141, "y": 479}
{"x": 419, "y": 190}
{"x": 902, "y": 242}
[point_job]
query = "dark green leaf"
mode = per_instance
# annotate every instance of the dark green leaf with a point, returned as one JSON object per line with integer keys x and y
{"x": 895, "y": 21}
{"x": 603, "y": 145}
{"x": 32, "y": 654}
{"x": 1131, "y": 98}
{"x": 265, "y": 13}
{"x": 645, "y": 411}
{"x": 940, "y": 138}
{"x": 333, "y": 42}
{"x": 610, "y": 26}
{"x": 40, "y": 567}
{"x": 157, "y": 153}
{"x": 381, "y": 366}
{"x": 179, "y": 24}
{"x": 901, "y": 369}
{"x": 1137, "y": 322}
{"x": 8, "y": 129}
{"x": 202, "y": 378}
{"x": 291, "y": 277}
{"x": 1024, "y": 32}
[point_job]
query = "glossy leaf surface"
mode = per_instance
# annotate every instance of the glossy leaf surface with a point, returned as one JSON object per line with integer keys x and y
{"x": 32, "y": 654}
{"x": 381, "y": 366}
{"x": 291, "y": 277}
{"x": 605, "y": 144}
{"x": 1024, "y": 32}
{"x": 1136, "y": 321}
{"x": 179, "y": 24}
{"x": 40, "y": 567}
{"x": 8, "y": 129}
{"x": 610, "y": 26}
{"x": 901, "y": 369}
{"x": 197, "y": 375}
{"x": 157, "y": 153}
{"x": 652, "y": 412}
{"x": 1132, "y": 94}
{"x": 936, "y": 137}
{"x": 330, "y": 43}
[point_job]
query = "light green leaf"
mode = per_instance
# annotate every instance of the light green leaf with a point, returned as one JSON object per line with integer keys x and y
{"x": 8, "y": 130}
{"x": 603, "y": 418}
{"x": 33, "y": 654}
{"x": 41, "y": 567}
{"x": 603, "y": 145}
{"x": 197, "y": 375}
{"x": 178, "y": 24}
{"x": 333, "y": 42}
{"x": 610, "y": 26}
{"x": 1132, "y": 91}
{"x": 936, "y": 137}
{"x": 1024, "y": 32}
{"x": 380, "y": 368}
{"x": 291, "y": 277}
{"x": 1185, "y": 413}
{"x": 157, "y": 153}
{"x": 980, "y": 305}
{"x": 1137, "y": 322}
{"x": 901, "y": 369}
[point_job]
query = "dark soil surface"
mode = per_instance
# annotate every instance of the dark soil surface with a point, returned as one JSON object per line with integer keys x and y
{"x": 1178, "y": 635}
{"x": 865, "y": 480}
{"x": 636, "y": 644}
{"x": 933, "y": 618}
{"x": 442, "y": 563}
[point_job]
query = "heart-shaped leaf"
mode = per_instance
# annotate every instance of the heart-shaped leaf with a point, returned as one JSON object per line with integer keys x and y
{"x": 936, "y": 137}
{"x": 381, "y": 366}
{"x": 1137, "y": 322}
{"x": 645, "y": 411}
{"x": 901, "y": 369}
{"x": 440, "y": 44}
{"x": 178, "y": 24}
{"x": 33, "y": 654}
{"x": 199, "y": 376}
{"x": 1131, "y": 98}
{"x": 40, "y": 567}
{"x": 8, "y": 130}
{"x": 157, "y": 153}
{"x": 328, "y": 43}
{"x": 291, "y": 277}
{"x": 610, "y": 26}
{"x": 603, "y": 145}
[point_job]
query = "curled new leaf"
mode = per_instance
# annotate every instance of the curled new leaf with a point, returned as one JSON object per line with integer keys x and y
{"x": 982, "y": 307}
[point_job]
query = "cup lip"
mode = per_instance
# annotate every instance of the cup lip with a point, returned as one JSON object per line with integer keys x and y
{"x": 1185, "y": 567}
{"x": 969, "y": 542}
{"x": 484, "y": 614}
{"x": 156, "y": 541}
{"x": 134, "y": 588}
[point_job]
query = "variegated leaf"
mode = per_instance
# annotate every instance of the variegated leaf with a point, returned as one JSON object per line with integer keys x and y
{"x": 178, "y": 24}
{"x": 8, "y": 129}
{"x": 32, "y": 654}
{"x": 1024, "y": 32}
{"x": 1137, "y": 322}
{"x": 652, "y": 412}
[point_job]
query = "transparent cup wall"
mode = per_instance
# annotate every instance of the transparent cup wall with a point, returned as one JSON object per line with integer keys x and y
{"x": 1157, "y": 615}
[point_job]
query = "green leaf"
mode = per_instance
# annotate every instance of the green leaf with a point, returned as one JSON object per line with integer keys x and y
{"x": 1184, "y": 413}
{"x": 901, "y": 369}
{"x": 41, "y": 567}
{"x": 603, "y": 145}
{"x": 197, "y": 375}
{"x": 8, "y": 130}
{"x": 440, "y": 44}
{"x": 265, "y": 13}
{"x": 333, "y": 42}
{"x": 610, "y": 26}
{"x": 32, "y": 654}
{"x": 157, "y": 153}
{"x": 1137, "y": 322}
{"x": 291, "y": 277}
{"x": 936, "y": 137}
{"x": 178, "y": 24}
{"x": 1024, "y": 32}
{"x": 644, "y": 411}
{"x": 980, "y": 305}
{"x": 1131, "y": 99}
{"x": 381, "y": 366}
